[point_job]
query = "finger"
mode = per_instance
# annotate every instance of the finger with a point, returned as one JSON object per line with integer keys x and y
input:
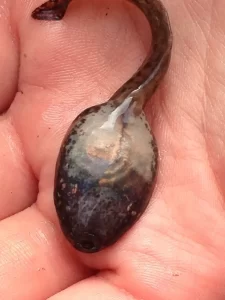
{"x": 34, "y": 262}
{"x": 93, "y": 289}
{"x": 17, "y": 183}
{"x": 9, "y": 59}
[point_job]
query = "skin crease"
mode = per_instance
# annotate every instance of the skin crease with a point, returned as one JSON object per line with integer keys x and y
{"x": 177, "y": 250}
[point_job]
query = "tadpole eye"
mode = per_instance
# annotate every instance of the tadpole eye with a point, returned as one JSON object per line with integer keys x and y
{"x": 88, "y": 243}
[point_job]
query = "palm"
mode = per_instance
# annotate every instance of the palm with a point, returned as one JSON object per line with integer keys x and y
{"x": 176, "y": 251}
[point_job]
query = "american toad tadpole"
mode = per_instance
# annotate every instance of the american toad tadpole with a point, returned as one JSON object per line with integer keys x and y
{"x": 108, "y": 158}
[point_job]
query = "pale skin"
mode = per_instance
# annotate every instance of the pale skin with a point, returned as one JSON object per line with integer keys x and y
{"x": 48, "y": 75}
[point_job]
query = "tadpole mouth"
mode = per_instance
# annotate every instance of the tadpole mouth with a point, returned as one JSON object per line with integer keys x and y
{"x": 88, "y": 243}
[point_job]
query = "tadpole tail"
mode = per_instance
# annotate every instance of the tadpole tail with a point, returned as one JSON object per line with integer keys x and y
{"x": 145, "y": 81}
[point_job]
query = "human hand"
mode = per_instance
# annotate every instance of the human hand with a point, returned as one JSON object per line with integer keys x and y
{"x": 50, "y": 72}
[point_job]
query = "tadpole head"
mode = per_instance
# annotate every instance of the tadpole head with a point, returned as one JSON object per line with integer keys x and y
{"x": 98, "y": 218}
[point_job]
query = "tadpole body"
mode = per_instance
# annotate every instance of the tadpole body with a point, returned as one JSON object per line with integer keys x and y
{"x": 108, "y": 159}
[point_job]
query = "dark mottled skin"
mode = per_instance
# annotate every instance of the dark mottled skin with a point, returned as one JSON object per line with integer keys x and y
{"x": 108, "y": 159}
